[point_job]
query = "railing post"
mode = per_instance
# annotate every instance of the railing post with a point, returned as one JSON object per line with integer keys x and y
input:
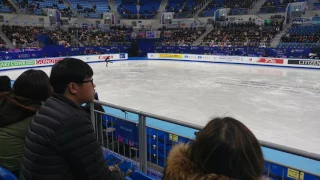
{"x": 93, "y": 120}
{"x": 142, "y": 143}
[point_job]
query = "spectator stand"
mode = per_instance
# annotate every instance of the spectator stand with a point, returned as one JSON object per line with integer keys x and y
{"x": 6, "y": 7}
{"x": 301, "y": 35}
{"x": 180, "y": 34}
{"x": 36, "y": 36}
{"x": 242, "y": 34}
{"x": 90, "y": 9}
{"x": 237, "y": 7}
{"x": 148, "y": 9}
{"x": 127, "y": 8}
{"x": 276, "y": 6}
{"x": 114, "y": 35}
{"x": 185, "y": 8}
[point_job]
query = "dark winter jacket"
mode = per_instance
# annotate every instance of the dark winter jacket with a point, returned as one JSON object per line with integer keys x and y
{"x": 180, "y": 167}
{"x": 61, "y": 145}
{"x": 16, "y": 114}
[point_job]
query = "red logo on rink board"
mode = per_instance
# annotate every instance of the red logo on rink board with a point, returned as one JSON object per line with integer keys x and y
{"x": 105, "y": 56}
{"x": 48, "y": 61}
{"x": 271, "y": 60}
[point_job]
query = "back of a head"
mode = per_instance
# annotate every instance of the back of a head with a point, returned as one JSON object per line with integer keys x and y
{"x": 227, "y": 147}
{"x": 33, "y": 84}
{"x": 5, "y": 84}
{"x": 66, "y": 71}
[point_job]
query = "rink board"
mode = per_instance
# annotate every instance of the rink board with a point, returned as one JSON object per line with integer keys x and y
{"x": 44, "y": 62}
{"x": 263, "y": 61}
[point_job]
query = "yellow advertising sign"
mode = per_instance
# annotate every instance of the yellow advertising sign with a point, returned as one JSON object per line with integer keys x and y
{"x": 173, "y": 137}
{"x": 294, "y": 174}
{"x": 170, "y": 56}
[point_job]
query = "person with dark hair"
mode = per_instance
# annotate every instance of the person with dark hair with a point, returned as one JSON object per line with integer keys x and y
{"x": 5, "y": 84}
{"x": 16, "y": 112}
{"x": 224, "y": 149}
{"x": 61, "y": 143}
{"x": 107, "y": 60}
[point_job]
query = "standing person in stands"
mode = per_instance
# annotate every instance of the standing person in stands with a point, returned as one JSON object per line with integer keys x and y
{"x": 225, "y": 149}
{"x": 5, "y": 84}
{"x": 16, "y": 112}
{"x": 61, "y": 143}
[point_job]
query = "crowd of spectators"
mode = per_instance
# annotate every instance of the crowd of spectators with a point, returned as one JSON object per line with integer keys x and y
{"x": 26, "y": 36}
{"x": 61, "y": 37}
{"x": 98, "y": 37}
{"x": 242, "y": 34}
{"x": 181, "y": 36}
{"x": 23, "y": 36}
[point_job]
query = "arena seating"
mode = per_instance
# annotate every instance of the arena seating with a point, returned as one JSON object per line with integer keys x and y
{"x": 241, "y": 34}
{"x": 184, "y": 8}
{"x": 22, "y": 36}
{"x": 148, "y": 9}
{"x": 182, "y": 36}
{"x": 127, "y": 8}
{"x": 6, "y": 7}
{"x": 316, "y": 6}
{"x": 301, "y": 36}
{"x": 237, "y": 7}
{"x": 116, "y": 34}
{"x": 274, "y": 6}
{"x": 91, "y": 9}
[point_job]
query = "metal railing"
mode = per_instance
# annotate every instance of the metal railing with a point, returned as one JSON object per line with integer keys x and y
{"x": 146, "y": 153}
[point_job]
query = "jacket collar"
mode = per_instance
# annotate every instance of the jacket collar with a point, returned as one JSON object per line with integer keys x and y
{"x": 66, "y": 100}
{"x": 180, "y": 167}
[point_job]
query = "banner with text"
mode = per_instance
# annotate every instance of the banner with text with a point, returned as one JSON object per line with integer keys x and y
{"x": 12, "y": 64}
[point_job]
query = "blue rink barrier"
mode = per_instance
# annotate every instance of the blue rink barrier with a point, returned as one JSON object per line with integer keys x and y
{"x": 147, "y": 139}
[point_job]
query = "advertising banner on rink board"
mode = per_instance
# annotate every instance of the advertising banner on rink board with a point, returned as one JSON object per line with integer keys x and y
{"x": 304, "y": 62}
{"x": 216, "y": 58}
{"x": 267, "y": 60}
{"x": 12, "y": 64}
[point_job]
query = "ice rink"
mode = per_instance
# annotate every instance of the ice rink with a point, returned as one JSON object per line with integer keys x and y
{"x": 280, "y": 105}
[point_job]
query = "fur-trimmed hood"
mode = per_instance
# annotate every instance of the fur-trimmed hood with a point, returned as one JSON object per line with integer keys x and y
{"x": 14, "y": 108}
{"x": 180, "y": 167}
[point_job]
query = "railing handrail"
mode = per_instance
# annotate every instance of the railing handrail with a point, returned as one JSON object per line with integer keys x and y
{"x": 270, "y": 145}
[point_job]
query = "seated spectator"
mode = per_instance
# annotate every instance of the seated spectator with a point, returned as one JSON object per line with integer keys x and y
{"x": 224, "y": 149}
{"x": 16, "y": 112}
{"x": 5, "y": 84}
{"x": 61, "y": 143}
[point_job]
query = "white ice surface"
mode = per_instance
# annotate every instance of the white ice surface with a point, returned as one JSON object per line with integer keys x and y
{"x": 280, "y": 105}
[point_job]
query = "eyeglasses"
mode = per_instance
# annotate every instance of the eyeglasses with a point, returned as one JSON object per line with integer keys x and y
{"x": 86, "y": 81}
